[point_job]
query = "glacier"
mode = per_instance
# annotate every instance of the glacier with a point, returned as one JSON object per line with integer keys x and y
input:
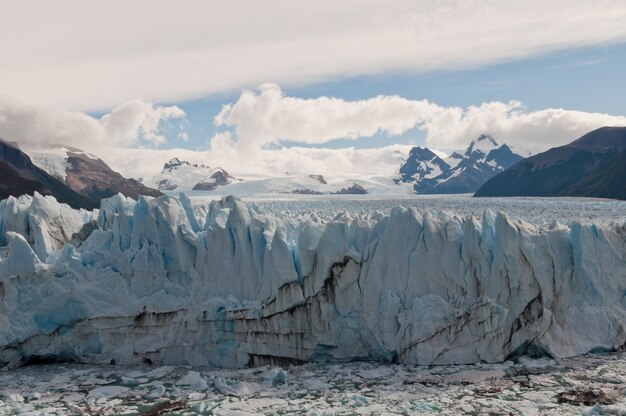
{"x": 166, "y": 281}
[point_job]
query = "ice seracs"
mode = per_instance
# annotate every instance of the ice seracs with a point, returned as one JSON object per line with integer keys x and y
{"x": 161, "y": 281}
{"x": 158, "y": 280}
{"x": 43, "y": 222}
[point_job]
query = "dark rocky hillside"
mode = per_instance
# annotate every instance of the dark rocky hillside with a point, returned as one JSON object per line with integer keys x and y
{"x": 592, "y": 166}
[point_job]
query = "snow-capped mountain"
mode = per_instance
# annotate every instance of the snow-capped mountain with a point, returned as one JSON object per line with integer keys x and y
{"x": 85, "y": 173}
{"x": 422, "y": 164}
{"x": 464, "y": 171}
{"x": 181, "y": 175}
{"x": 20, "y": 176}
{"x": 219, "y": 178}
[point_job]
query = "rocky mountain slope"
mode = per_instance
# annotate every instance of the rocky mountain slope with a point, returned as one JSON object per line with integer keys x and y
{"x": 19, "y": 176}
{"x": 592, "y": 166}
{"x": 462, "y": 172}
{"x": 87, "y": 174}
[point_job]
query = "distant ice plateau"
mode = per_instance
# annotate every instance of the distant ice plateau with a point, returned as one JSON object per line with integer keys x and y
{"x": 227, "y": 283}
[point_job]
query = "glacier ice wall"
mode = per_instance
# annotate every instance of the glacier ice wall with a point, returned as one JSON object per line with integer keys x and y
{"x": 164, "y": 281}
{"x": 41, "y": 220}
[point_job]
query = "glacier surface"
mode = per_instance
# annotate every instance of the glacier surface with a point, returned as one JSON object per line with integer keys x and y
{"x": 168, "y": 281}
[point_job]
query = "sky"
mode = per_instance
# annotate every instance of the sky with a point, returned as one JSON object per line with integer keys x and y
{"x": 264, "y": 88}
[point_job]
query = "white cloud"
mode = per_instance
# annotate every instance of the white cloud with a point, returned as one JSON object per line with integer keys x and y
{"x": 260, "y": 118}
{"x": 88, "y": 56}
{"x": 510, "y": 122}
{"x": 264, "y": 118}
{"x": 118, "y": 136}
{"x": 136, "y": 122}
{"x": 269, "y": 117}
{"x": 139, "y": 119}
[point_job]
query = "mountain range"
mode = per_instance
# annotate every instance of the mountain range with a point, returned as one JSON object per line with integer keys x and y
{"x": 592, "y": 166}
{"x": 72, "y": 176}
{"x": 463, "y": 171}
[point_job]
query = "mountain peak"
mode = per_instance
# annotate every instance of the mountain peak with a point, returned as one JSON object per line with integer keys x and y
{"x": 486, "y": 137}
{"x": 484, "y": 144}
{"x": 422, "y": 153}
{"x": 422, "y": 162}
{"x": 181, "y": 175}
{"x": 461, "y": 172}
{"x": 174, "y": 163}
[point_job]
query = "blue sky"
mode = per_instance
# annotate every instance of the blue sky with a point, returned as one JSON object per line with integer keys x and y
{"x": 588, "y": 79}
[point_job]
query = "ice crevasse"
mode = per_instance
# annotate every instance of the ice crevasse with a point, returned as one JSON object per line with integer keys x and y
{"x": 163, "y": 281}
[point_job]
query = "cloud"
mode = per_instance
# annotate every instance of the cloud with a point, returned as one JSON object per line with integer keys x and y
{"x": 125, "y": 139}
{"x": 267, "y": 117}
{"x": 138, "y": 119}
{"x": 136, "y": 122}
{"x": 535, "y": 131}
{"x": 87, "y": 56}
{"x": 256, "y": 123}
